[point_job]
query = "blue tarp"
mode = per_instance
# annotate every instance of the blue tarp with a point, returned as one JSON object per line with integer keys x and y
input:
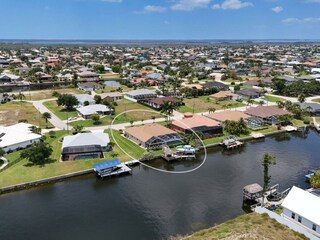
{"x": 106, "y": 165}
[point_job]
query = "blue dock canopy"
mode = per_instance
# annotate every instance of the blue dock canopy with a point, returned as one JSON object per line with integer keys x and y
{"x": 106, "y": 165}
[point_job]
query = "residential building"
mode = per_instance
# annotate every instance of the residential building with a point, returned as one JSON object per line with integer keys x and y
{"x": 223, "y": 95}
{"x": 249, "y": 93}
{"x": 141, "y": 94}
{"x": 85, "y": 98}
{"x": 111, "y": 97}
{"x": 265, "y": 114}
{"x": 302, "y": 208}
{"x": 85, "y": 146}
{"x": 157, "y": 103}
{"x": 228, "y": 115}
{"x": 89, "y": 86}
{"x": 17, "y": 136}
{"x": 196, "y": 123}
{"x": 152, "y": 135}
{"x": 87, "y": 111}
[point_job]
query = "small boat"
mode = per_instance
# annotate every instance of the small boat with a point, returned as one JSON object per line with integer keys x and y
{"x": 311, "y": 172}
{"x": 187, "y": 149}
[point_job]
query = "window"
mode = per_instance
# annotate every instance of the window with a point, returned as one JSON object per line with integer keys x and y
{"x": 314, "y": 227}
{"x": 299, "y": 219}
{"x": 293, "y": 215}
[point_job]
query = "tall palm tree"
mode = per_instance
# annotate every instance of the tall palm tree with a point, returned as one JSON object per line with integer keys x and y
{"x": 46, "y": 116}
{"x": 168, "y": 108}
{"x": 266, "y": 162}
{"x": 21, "y": 96}
{"x": 211, "y": 110}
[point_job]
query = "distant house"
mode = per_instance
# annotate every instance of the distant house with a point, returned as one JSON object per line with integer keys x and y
{"x": 87, "y": 111}
{"x": 228, "y": 115}
{"x": 265, "y": 114}
{"x": 8, "y": 78}
{"x": 43, "y": 77}
{"x": 197, "y": 123}
{"x": 312, "y": 108}
{"x": 88, "y": 76}
{"x": 152, "y": 135}
{"x": 223, "y": 95}
{"x": 85, "y": 146}
{"x": 111, "y": 97}
{"x": 83, "y": 98}
{"x": 157, "y": 103}
{"x": 249, "y": 93}
{"x": 4, "y": 97}
{"x": 4, "y": 63}
{"x": 141, "y": 94}
{"x": 218, "y": 85}
{"x": 89, "y": 86}
{"x": 302, "y": 208}
{"x": 154, "y": 76}
{"x": 17, "y": 136}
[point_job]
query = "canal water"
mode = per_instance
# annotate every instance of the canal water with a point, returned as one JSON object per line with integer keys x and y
{"x": 151, "y": 204}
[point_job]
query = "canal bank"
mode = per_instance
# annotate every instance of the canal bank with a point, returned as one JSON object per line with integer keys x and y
{"x": 28, "y": 185}
{"x": 154, "y": 205}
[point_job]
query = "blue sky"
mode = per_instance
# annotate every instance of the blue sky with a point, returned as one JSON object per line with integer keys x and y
{"x": 155, "y": 19}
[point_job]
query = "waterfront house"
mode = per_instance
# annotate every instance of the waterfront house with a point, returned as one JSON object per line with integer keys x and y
{"x": 265, "y": 114}
{"x": 141, "y": 94}
{"x": 152, "y": 135}
{"x": 312, "y": 108}
{"x": 8, "y": 78}
{"x": 302, "y": 208}
{"x": 89, "y": 86}
{"x": 87, "y": 111}
{"x": 85, "y": 146}
{"x": 17, "y": 136}
{"x": 87, "y": 76}
{"x": 228, "y": 115}
{"x": 111, "y": 97}
{"x": 208, "y": 127}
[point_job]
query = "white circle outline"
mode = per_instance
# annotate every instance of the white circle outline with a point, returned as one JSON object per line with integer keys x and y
{"x": 146, "y": 165}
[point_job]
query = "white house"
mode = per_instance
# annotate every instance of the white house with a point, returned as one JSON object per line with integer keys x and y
{"x": 82, "y": 98}
{"x": 17, "y": 136}
{"x": 303, "y": 208}
{"x": 87, "y": 111}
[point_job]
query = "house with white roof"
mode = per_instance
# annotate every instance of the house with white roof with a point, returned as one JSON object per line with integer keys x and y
{"x": 82, "y": 98}
{"x": 17, "y": 136}
{"x": 87, "y": 111}
{"x": 303, "y": 208}
{"x": 140, "y": 94}
{"x": 85, "y": 146}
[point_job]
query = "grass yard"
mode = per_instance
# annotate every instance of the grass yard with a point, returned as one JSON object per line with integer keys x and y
{"x": 109, "y": 76}
{"x": 123, "y": 105}
{"x": 273, "y": 99}
{"x": 108, "y": 89}
{"x": 297, "y": 123}
{"x": 249, "y": 226}
{"x": 203, "y": 103}
{"x": 317, "y": 100}
{"x": 20, "y": 172}
{"x": 12, "y": 112}
{"x": 59, "y": 111}
{"x": 47, "y": 94}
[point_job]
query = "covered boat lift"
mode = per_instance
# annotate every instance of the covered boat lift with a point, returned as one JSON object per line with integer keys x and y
{"x": 111, "y": 168}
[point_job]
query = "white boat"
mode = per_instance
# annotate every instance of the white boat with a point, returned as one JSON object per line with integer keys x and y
{"x": 187, "y": 149}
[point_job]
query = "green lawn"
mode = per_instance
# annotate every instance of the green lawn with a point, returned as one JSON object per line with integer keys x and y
{"x": 47, "y": 94}
{"x": 108, "y": 89}
{"x": 59, "y": 111}
{"x": 273, "y": 99}
{"x": 249, "y": 226}
{"x": 12, "y": 112}
{"x": 203, "y": 103}
{"x": 297, "y": 123}
{"x": 123, "y": 105}
{"x": 21, "y": 172}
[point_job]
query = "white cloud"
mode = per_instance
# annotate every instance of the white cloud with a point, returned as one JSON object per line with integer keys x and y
{"x": 189, "y": 5}
{"x": 232, "y": 5}
{"x": 112, "y": 1}
{"x": 277, "y": 9}
{"x": 151, "y": 8}
{"x": 301, "y": 20}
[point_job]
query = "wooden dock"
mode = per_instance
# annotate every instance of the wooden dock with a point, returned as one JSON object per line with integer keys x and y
{"x": 230, "y": 142}
{"x": 170, "y": 155}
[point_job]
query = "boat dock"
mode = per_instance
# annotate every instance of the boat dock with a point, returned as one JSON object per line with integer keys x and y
{"x": 311, "y": 172}
{"x": 231, "y": 142}
{"x": 257, "y": 135}
{"x": 170, "y": 155}
{"x": 111, "y": 168}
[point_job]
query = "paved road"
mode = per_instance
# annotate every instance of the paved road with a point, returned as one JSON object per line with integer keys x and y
{"x": 55, "y": 121}
{"x": 5, "y": 163}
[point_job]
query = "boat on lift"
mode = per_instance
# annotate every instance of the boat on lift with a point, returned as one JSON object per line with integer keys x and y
{"x": 186, "y": 149}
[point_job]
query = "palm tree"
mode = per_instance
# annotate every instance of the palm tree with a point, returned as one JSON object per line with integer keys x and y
{"x": 266, "y": 162}
{"x": 21, "y": 96}
{"x": 175, "y": 85}
{"x": 301, "y": 98}
{"x": 211, "y": 110}
{"x": 280, "y": 104}
{"x": 46, "y": 116}
{"x": 168, "y": 108}
{"x": 153, "y": 118}
{"x": 131, "y": 122}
